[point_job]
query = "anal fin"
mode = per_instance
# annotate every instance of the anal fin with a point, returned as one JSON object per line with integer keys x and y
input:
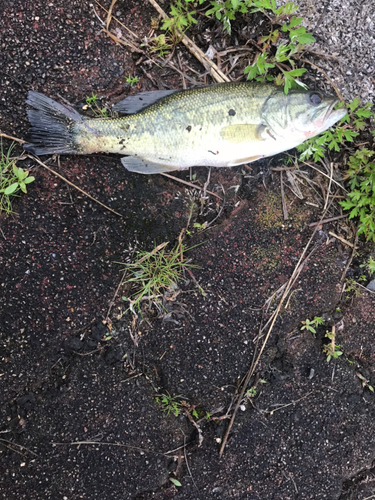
{"x": 147, "y": 167}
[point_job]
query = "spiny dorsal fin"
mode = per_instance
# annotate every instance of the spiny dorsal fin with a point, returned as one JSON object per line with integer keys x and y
{"x": 134, "y": 103}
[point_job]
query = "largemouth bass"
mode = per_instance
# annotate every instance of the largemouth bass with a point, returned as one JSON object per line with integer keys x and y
{"x": 221, "y": 126}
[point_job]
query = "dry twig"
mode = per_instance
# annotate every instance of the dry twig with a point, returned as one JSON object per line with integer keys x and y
{"x": 215, "y": 71}
{"x": 71, "y": 184}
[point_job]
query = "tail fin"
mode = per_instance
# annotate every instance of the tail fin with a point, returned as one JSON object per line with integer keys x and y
{"x": 52, "y": 126}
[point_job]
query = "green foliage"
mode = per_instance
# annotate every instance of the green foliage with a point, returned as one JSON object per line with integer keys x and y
{"x": 182, "y": 18}
{"x": 361, "y": 198}
{"x": 251, "y": 393}
{"x": 283, "y": 58}
{"x": 352, "y": 286}
{"x": 370, "y": 266}
{"x": 310, "y": 325}
{"x": 161, "y": 45}
{"x": 332, "y": 350}
{"x": 13, "y": 179}
{"x": 365, "y": 382}
{"x": 93, "y": 104}
{"x": 170, "y": 404}
{"x": 131, "y": 80}
{"x": 154, "y": 272}
{"x": 175, "y": 481}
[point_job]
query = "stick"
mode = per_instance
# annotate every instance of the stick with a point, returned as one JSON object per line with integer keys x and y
{"x": 289, "y": 284}
{"x": 341, "y": 239}
{"x": 215, "y": 71}
{"x": 20, "y": 141}
{"x": 190, "y": 184}
{"x": 71, "y": 184}
{"x": 331, "y": 219}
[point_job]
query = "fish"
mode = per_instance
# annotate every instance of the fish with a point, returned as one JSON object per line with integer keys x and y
{"x": 219, "y": 125}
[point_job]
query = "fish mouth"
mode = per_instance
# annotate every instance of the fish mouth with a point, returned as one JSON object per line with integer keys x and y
{"x": 332, "y": 116}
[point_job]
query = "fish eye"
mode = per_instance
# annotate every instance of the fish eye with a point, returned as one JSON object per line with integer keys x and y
{"x": 315, "y": 99}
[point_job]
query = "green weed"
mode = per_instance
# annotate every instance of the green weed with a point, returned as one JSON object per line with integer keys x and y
{"x": 361, "y": 198}
{"x": 182, "y": 18}
{"x": 352, "y": 286}
{"x": 131, "y": 80}
{"x": 13, "y": 179}
{"x": 93, "y": 104}
{"x": 161, "y": 45}
{"x": 370, "y": 266}
{"x": 332, "y": 350}
{"x": 170, "y": 404}
{"x": 365, "y": 382}
{"x": 310, "y": 325}
{"x": 154, "y": 272}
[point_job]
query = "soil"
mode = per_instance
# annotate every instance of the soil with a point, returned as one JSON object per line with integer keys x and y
{"x": 79, "y": 378}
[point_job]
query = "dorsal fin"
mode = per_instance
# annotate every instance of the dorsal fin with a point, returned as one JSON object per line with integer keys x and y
{"x": 134, "y": 103}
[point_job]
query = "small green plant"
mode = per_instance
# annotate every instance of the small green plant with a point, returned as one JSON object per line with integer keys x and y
{"x": 131, "y": 80}
{"x": 170, "y": 404}
{"x": 182, "y": 18}
{"x": 161, "y": 45}
{"x": 175, "y": 481}
{"x": 13, "y": 179}
{"x": 365, "y": 382}
{"x": 93, "y": 104}
{"x": 251, "y": 393}
{"x": 310, "y": 325}
{"x": 200, "y": 227}
{"x": 352, "y": 286}
{"x": 361, "y": 198}
{"x": 332, "y": 350}
{"x": 154, "y": 272}
{"x": 370, "y": 266}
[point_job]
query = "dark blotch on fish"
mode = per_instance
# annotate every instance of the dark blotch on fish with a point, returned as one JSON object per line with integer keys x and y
{"x": 188, "y": 128}
{"x": 232, "y": 112}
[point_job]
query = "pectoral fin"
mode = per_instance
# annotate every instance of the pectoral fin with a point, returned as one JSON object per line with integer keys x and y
{"x": 134, "y": 103}
{"x": 247, "y": 132}
{"x": 142, "y": 166}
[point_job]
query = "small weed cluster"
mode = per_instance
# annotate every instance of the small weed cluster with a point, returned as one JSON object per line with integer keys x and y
{"x": 153, "y": 273}
{"x": 13, "y": 179}
{"x": 277, "y": 49}
{"x": 311, "y": 324}
{"x": 365, "y": 382}
{"x": 92, "y": 103}
{"x": 332, "y": 350}
{"x": 361, "y": 169}
{"x": 361, "y": 198}
{"x": 170, "y": 404}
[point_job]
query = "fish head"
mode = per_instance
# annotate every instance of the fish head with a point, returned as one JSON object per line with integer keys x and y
{"x": 305, "y": 115}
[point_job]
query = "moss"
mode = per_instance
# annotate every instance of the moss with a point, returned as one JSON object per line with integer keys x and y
{"x": 266, "y": 260}
{"x": 270, "y": 212}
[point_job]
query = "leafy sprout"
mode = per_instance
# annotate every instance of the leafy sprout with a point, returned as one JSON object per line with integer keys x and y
{"x": 154, "y": 272}
{"x": 13, "y": 179}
